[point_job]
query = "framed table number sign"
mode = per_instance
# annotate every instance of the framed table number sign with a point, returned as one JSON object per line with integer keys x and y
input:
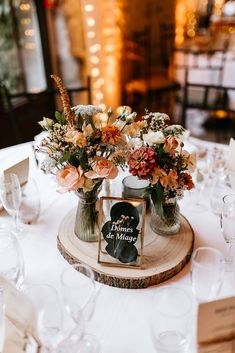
{"x": 122, "y": 231}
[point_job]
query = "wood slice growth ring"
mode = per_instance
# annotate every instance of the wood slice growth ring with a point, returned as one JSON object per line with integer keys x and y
{"x": 164, "y": 256}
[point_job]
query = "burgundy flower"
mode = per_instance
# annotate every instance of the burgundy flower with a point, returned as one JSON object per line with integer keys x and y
{"x": 141, "y": 162}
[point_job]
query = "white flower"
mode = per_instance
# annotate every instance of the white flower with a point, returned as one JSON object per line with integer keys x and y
{"x": 48, "y": 165}
{"x": 131, "y": 117}
{"x": 119, "y": 123}
{"x": 152, "y": 138}
{"x": 46, "y": 123}
{"x": 173, "y": 127}
{"x": 184, "y": 136}
{"x": 84, "y": 110}
{"x": 135, "y": 143}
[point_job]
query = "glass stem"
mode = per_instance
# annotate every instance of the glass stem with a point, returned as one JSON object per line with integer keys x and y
{"x": 17, "y": 221}
{"x": 229, "y": 257}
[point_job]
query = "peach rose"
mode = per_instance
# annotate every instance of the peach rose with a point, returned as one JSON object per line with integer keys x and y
{"x": 69, "y": 179}
{"x": 102, "y": 168}
{"x": 75, "y": 137}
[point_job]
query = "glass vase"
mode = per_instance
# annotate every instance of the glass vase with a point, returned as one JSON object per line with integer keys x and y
{"x": 165, "y": 217}
{"x": 86, "y": 225}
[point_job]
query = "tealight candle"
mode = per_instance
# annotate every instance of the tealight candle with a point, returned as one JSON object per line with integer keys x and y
{"x": 135, "y": 188}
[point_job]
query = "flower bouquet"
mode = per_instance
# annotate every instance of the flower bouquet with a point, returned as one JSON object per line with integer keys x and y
{"x": 160, "y": 157}
{"x": 85, "y": 146}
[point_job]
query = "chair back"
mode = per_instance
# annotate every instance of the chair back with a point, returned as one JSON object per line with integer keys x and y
{"x": 203, "y": 79}
{"x": 21, "y": 112}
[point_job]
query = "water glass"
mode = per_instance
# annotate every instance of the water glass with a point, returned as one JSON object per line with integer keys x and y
{"x": 30, "y": 203}
{"x": 218, "y": 191}
{"x": 132, "y": 187}
{"x": 228, "y": 227}
{"x": 49, "y": 314}
{"x": 171, "y": 320}
{"x": 75, "y": 343}
{"x": 78, "y": 288}
{"x": 11, "y": 257}
{"x": 207, "y": 272}
{"x": 10, "y": 192}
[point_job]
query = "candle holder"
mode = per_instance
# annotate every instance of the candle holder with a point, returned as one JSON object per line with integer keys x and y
{"x": 135, "y": 188}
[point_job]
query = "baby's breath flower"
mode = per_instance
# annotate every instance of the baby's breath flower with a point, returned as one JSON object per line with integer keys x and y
{"x": 90, "y": 110}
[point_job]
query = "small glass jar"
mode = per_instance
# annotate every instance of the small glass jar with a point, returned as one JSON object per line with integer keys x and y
{"x": 135, "y": 188}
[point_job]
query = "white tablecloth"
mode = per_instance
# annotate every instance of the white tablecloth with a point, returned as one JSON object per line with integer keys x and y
{"x": 121, "y": 318}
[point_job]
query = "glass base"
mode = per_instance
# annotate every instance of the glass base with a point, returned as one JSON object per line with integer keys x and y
{"x": 166, "y": 231}
{"x": 172, "y": 342}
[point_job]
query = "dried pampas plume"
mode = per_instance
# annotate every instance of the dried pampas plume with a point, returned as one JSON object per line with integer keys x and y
{"x": 65, "y": 100}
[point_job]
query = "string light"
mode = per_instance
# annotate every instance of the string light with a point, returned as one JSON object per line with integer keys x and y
{"x": 102, "y": 106}
{"x": 25, "y": 21}
{"x": 90, "y": 22}
{"x": 25, "y": 7}
{"x": 95, "y": 47}
{"x": 99, "y": 95}
{"x": 29, "y": 32}
{"x": 91, "y": 34}
{"x": 95, "y": 72}
{"x": 218, "y": 6}
{"x": 30, "y": 46}
{"x": 185, "y": 19}
{"x": 89, "y": 8}
{"x": 104, "y": 35}
{"x": 100, "y": 81}
{"x": 94, "y": 59}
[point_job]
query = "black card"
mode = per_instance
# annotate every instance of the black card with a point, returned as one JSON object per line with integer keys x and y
{"x": 121, "y": 231}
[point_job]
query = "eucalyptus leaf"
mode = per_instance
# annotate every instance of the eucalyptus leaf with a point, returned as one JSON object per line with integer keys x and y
{"x": 60, "y": 117}
{"x": 83, "y": 158}
{"x": 157, "y": 196}
{"x": 66, "y": 156}
{"x": 80, "y": 122}
{"x": 89, "y": 121}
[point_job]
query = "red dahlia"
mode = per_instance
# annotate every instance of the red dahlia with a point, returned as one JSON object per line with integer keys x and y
{"x": 141, "y": 162}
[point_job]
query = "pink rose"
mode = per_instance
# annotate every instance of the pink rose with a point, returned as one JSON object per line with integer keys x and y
{"x": 70, "y": 179}
{"x": 102, "y": 168}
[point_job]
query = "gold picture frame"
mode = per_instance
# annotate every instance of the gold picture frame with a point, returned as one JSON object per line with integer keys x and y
{"x": 121, "y": 236}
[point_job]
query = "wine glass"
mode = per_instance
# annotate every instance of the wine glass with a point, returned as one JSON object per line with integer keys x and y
{"x": 10, "y": 192}
{"x": 207, "y": 273}
{"x": 11, "y": 258}
{"x": 49, "y": 315}
{"x": 78, "y": 288}
{"x": 30, "y": 202}
{"x": 227, "y": 222}
{"x": 200, "y": 179}
{"x": 75, "y": 342}
{"x": 171, "y": 319}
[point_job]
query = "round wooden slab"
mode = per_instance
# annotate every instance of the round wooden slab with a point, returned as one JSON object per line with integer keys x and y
{"x": 164, "y": 256}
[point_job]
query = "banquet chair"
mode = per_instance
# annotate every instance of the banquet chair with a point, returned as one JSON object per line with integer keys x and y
{"x": 143, "y": 87}
{"x": 208, "y": 89}
{"x": 22, "y": 111}
{"x": 203, "y": 80}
